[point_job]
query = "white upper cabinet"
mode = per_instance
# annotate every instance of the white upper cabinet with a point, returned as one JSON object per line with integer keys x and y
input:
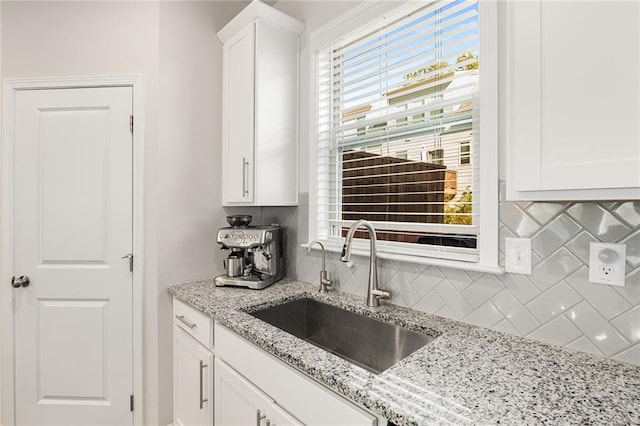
{"x": 573, "y": 100}
{"x": 260, "y": 108}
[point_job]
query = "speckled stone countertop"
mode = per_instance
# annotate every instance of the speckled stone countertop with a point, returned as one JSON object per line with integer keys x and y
{"x": 467, "y": 375}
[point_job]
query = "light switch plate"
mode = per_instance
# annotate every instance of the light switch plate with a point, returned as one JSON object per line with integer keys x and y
{"x": 517, "y": 255}
{"x": 607, "y": 263}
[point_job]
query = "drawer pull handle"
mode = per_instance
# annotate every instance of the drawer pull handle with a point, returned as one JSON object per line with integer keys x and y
{"x": 202, "y": 400}
{"x": 245, "y": 177}
{"x": 185, "y": 322}
{"x": 259, "y": 417}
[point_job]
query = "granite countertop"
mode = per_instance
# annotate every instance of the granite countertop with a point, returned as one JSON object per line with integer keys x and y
{"x": 467, "y": 375}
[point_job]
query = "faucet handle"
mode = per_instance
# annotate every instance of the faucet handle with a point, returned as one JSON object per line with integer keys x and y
{"x": 381, "y": 294}
{"x": 325, "y": 282}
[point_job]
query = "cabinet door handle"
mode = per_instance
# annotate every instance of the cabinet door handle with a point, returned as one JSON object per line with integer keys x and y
{"x": 259, "y": 417}
{"x": 185, "y": 322}
{"x": 202, "y": 400}
{"x": 245, "y": 177}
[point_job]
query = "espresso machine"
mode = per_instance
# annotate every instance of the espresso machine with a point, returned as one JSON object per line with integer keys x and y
{"x": 255, "y": 257}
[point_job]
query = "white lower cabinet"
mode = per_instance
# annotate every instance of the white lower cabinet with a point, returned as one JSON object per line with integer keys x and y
{"x": 244, "y": 385}
{"x": 240, "y": 403}
{"x": 247, "y": 379}
{"x": 192, "y": 381}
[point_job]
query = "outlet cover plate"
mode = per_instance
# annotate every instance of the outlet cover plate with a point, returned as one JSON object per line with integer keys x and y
{"x": 517, "y": 255}
{"x": 611, "y": 270}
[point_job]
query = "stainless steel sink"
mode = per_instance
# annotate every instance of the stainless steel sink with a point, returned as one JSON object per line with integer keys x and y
{"x": 369, "y": 343}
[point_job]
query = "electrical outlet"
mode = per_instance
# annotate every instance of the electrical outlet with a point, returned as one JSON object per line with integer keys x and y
{"x": 606, "y": 263}
{"x": 517, "y": 255}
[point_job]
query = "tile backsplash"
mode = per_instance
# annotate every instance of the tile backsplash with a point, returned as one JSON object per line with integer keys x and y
{"x": 556, "y": 304}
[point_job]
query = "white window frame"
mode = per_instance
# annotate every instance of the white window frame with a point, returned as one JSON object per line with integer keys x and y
{"x": 488, "y": 185}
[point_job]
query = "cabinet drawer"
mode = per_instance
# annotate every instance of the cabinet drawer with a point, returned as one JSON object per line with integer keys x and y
{"x": 193, "y": 322}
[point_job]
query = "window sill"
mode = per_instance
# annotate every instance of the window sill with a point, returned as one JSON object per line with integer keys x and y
{"x": 331, "y": 246}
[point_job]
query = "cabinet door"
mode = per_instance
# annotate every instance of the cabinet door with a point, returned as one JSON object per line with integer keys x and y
{"x": 573, "y": 100}
{"x": 238, "y": 117}
{"x": 192, "y": 381}
{"x": 239, "y": 403}
{"x": 277, "y": 416}
{"x": 276, "y": 115}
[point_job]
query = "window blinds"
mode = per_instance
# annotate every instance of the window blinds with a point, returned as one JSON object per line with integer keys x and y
{"x": 396, "y": 133}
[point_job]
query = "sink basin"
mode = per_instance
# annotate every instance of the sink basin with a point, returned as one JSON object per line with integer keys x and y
{"x": 369, "y": 343}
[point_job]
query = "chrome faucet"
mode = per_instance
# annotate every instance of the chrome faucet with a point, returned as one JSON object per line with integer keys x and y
{"x": 374, "y": 294}
{"x": 325, "y": 278}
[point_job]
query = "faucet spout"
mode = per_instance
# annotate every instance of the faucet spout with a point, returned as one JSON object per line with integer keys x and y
{"x": 374, "y": 294}
{"x": 326, "y": 283}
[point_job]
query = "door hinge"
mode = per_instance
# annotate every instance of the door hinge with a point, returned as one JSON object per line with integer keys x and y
{"x": 130, "y": 257}
{"x": 131, "y": 402}
{"x": 131, "y": 123}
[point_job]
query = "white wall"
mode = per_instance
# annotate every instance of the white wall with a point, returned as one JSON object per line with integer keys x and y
{"x": 174, "y": 45}
{"x": 95, "y": 38}
{"x": 314, "y": 14}
{"x": 189, "y": 150}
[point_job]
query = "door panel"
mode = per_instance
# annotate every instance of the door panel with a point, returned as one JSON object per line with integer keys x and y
{"x": 72, "y": 206}
{"x": 73, "y": 223}
{"x": 78, "y": 324}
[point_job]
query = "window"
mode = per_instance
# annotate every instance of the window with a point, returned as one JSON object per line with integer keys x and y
{"x": 403, "y": 83}
{"x": 436, "y": 156}
{"x": 465, "y": 152}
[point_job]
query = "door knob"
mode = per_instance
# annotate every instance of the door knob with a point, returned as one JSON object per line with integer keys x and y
{"x": 21, "y": 281}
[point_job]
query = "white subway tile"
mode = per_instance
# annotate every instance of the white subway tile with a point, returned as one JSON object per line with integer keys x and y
{"x": 520, "y": 286}
{"x": 455, "y": 303}
{"x": 597, "y": 329}
{"x": 630, "y": 212}
{"x": 482, "y": 290}
{"x": 583, "y": 344}
{"x": 430, "y": 303}
{"x": 630, "y": 355}
{"x": 505, "y": 327}
{"x": 629, "y": 324}
{"x": 515, "y": 312}
{"x": 598, "y": 221}
{"x": 485, "y": 316}
{"x": 558, "y": 331}
{"x": 602, "y": 297}
{"x": 544, "y": 212}
{"x": 554, "y": 235}
{"x": 553, "y": 302}
{"x": 554, "y": 268}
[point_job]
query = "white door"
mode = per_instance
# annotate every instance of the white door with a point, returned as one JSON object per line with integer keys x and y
{"x": 192, "y": 381}
{"x": 72, "y": 226}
